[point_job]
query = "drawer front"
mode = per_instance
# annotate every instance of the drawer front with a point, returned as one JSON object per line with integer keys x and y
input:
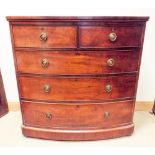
{"x": 110, "y": 37}
{"x": 77, "y": 116}
{"x": 78, "y": 88}
{"x": 45, "y": 36}
{"x": 72, "y": 62}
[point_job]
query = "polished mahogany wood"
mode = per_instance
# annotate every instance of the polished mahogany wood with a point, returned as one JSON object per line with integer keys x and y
{"x": 75, "y": 116}
{"x": 78, "y": 135}
{"x": 77, "y": 76}
{"x": 77, "y": 62}
{"x": 74, "y": 89}
{"x": 57, "y": 36}
{"x": 80, "y": 18}
{"x": 3, "y": 100}
{"x": 98, "y": 37}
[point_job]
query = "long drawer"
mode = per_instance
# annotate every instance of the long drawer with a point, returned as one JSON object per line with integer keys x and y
{"x": 69, "y": 116}
{"x": 77, "y": 88}
{"x": 45, "y": 36}
{"x": 72, "y": 62}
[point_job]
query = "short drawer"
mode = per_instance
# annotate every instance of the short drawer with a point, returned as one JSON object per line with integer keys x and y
{"x": 110, "y": 37}
{"x": 77, "y": 116}
{"x": 44, "y": 36}
{"x": 77, "y": 88}
{"x": 72, "y": 62}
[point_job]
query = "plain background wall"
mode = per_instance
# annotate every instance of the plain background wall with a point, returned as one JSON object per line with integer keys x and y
{"x": 146, "y": 85}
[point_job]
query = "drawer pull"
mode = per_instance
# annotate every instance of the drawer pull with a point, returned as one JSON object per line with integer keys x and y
{"x": 43, "y": 36}
{"x": 108, "y": 88}
{"x": 44, "y": 63}
{"x": 110, "y": 62}
{"x": 106, "y": 115}
{"x": 48, "y": 116}
{"x": 112, "y": 36}
{"x": 47, "y": 88}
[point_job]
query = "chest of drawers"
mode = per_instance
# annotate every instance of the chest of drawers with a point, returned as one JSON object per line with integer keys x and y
{"x": 77, "y": 76}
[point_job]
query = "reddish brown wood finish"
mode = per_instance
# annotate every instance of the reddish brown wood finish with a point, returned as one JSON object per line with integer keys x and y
{"x": 116, "y": 19}
{"x": 77, "y": 117}
{"x": 98, "y": 37}
{"x": 77, "y": 135}
{"x": 77, "y": 107}
{"x": 3, "y": 101}
{"x": 77, "y": 62}
{"x": 58, "y": 36}
{"x": 74, "y": 89}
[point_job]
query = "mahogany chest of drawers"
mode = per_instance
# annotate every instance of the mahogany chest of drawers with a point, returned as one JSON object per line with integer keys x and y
{"x": 77, "y": 76}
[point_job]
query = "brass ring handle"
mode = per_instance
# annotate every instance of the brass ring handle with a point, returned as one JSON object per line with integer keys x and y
{"x": 110, "y": 62}
{"x": 47, "y": 88}
{"x": 44, "y": 63}
{"x": 106, "y": 115}
{"x": 108, "y": 88}
{"x": 112, "y": 36}
{"x": 48, "y": 116}
{"x": 43, "y": 36}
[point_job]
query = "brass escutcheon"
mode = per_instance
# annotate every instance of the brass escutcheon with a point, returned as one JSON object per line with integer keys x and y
{"x": 110, "y": 62}
{"x": 44, "y": 63}
{"x": 112, "y": 36}
{"x": 47, "y": 88}
{"x": 108, "y": 88}
{"x": 43, "y": 36}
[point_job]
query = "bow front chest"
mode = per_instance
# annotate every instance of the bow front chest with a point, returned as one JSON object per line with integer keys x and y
{"x": 77, "y": 76}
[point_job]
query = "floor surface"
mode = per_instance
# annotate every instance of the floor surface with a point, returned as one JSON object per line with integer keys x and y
{"x": 144, "y": 134}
